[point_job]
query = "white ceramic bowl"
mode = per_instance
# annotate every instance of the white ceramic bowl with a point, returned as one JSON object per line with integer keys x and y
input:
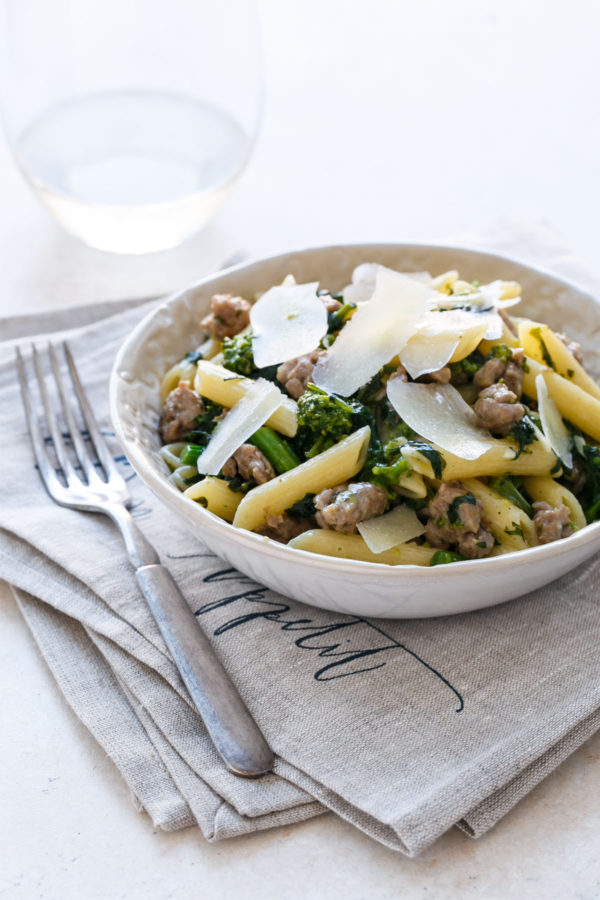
{"x": 347, "y": 586}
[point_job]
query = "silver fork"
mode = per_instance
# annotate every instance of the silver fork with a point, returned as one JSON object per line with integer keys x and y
{"x": 232, "y": 729}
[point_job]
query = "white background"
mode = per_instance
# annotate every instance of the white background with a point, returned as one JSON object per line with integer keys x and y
{"x": 392, "y": 120}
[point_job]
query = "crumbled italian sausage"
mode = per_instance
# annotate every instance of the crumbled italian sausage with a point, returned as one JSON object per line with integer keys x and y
{"x": 283, "y": 528}
{"x": 229, "y": 315}
{"x": 295, "y": 374}
{"x": 497, "y": 409}
{"x": 509, "y": 372}
{"x": 457, "y": 524}
{"x": 341, "y": 508}
{"x": 551, "y": 523}
{"x": 442, "y": 376}
{"x": 179, "y": 412}
{"x": 251, "y": 464}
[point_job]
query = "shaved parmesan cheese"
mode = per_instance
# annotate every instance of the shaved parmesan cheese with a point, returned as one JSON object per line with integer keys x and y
{"x": 258, "y": 403}
{"x": 439, "y": 414}
{"x": 363, "y": 281}
{"x": 288, "y": 321}
{"x": 395, "y": 527}
{"x": 377, "y": 331}
{"x": 438, "y": 336}
{"x": 554, "y": 428}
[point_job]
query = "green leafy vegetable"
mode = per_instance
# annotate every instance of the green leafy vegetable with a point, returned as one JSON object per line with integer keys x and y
{"x": 523, "y": 433}
{"x": 442, "y": 557}
{"x": 190, "y": 453}
{"x": 336, "y": 320}
{"x": 506, "y": 486}
{"x": 303, "y": 508}
{"x": 238, "y": 357}
{"x": 537, "y": 333}
{"x": 454, "y": 508}
{"x": 589, "y": 460}
{"x": 205, "y": 424}
{"x": 323, "y": 420}
{"x": 193, "y": 356}
{"x": 501, "y": 351}
{"x": 275, "y": 448}
{"x": 465, "y": 369}
{"x": 434, "y": 456}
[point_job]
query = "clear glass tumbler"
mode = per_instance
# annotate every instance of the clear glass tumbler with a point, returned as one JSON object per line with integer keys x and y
{"x": 131, "y": 119}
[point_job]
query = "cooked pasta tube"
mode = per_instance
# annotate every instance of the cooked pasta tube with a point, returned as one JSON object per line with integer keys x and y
{"x": 542, "y": 344}
{"x": 225, "y": 387}
{"x": 184, "y": 370}
{"x": 512, "y": 528}
{"x": 573, "y": 403}
{"x": 536, "y": 459}
{"x": 333, "y": 466}
{"x": 352, "y": 546}
{"x": 214, "y": 494}
{"x": 550, "y": 491}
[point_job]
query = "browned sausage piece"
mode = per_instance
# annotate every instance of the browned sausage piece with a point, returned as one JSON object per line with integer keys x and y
{"x": 295, "y": 374}
{"x": 341, "y": 508}
{"x": 179, "y": 412}
{"x": 551, "y": 523}
{"x": 229, "y": 315}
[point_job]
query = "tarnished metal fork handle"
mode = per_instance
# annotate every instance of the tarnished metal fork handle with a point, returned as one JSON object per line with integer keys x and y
{"x": 233, "y": 731}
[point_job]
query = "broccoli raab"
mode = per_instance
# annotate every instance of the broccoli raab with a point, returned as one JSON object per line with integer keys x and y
{"x": 323, "y": 420}
{"x": 589, "y": 461}
{"x": 205, "y": 424}
{"x": 238, "y": 357}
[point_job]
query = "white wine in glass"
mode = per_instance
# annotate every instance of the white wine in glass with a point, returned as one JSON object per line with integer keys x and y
{"x": 132, "y": 121}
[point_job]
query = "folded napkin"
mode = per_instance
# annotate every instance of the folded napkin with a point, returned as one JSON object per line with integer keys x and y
{"x": 403, "y": 728}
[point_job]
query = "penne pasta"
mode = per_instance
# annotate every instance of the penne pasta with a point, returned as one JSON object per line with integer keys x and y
{"x": 352, "y": 546}
{"x": 329, "y": 468}
{"x": 512, "y": 528}
{"x": 542, "y": 344}
{"x": 536, "y": 459}
{"x": 215, "y": 495}
{"x": 574, "y": 404}
{"x": 226, "y": 388}
{"x": 556, "y": 494}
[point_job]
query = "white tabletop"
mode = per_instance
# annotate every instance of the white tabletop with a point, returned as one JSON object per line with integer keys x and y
{"x": 393, "y": 121}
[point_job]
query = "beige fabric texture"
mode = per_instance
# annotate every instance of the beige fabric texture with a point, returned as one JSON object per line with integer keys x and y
{"x": 404, "y": 728}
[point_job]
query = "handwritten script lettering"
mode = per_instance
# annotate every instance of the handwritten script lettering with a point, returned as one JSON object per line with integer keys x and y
{"x": 351, "y": 646}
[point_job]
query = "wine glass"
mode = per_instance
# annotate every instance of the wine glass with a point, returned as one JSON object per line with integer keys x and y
{"x": 131, "y": 119}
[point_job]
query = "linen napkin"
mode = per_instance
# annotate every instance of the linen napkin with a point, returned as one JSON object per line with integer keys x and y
{"x": 404, "y": 728}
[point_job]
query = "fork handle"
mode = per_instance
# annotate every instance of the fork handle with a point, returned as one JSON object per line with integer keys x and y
{"x": 232, "y": 729}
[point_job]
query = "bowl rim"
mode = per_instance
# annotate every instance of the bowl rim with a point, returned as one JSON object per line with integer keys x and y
{"x": 169, "y": 494}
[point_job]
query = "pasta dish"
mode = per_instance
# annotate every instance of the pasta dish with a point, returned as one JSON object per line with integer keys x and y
{"x": 407, "y": 419}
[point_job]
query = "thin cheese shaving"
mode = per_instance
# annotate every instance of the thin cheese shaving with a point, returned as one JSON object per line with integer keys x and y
{"x": 363, "y": 281}
{"x": 439, "y": 334}
{"x": 438, "y": 413}
{"x": 288, "y": 321}
{"x": 395, "y": 527}
{"x": 377, "y": 331}
{"x": 258, "y": 403}
{"x": 554, "y": 428}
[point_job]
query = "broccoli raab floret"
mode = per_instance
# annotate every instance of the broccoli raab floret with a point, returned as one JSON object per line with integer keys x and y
{"x": 238, "y": 357}
{"x": 323, "y": 420}
{"x": 237, "y": 354}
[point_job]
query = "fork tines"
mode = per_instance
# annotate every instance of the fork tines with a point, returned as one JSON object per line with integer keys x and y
{"x": 68, "y": 446}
